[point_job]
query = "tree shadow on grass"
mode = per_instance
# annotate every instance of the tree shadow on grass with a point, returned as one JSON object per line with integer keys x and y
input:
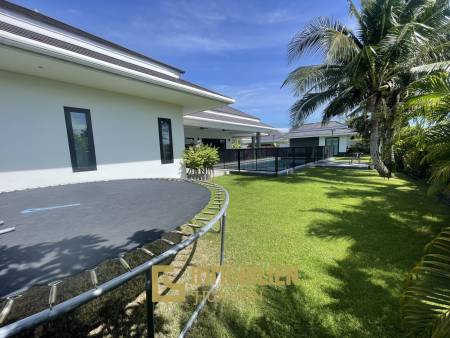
{"x": 388, "y": 231}
{"x": 285, "y": 313}
{"x": 387, "y": 225}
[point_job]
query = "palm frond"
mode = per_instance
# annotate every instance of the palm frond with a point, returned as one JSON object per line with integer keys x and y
{"x": 309, "y": 103}
{"x": 317, "y": 77}
{"x": 330, "y": 38}
{"x": 426, "y": 299}
{"x": 432, "y": 67}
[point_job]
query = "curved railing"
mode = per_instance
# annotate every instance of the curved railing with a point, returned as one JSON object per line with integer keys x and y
{"x": 71, "y": 304}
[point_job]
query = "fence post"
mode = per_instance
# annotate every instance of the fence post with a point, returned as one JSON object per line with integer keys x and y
{"x": 149, "y": 304}
{"x": 276, "y": 160}
{"x": 239, "y": 160}
{"x": 222, "y": 237}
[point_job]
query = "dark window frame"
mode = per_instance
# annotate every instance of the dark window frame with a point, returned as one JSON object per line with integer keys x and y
{"x": 161, "y": 146}
{"x": 70, "y": 137}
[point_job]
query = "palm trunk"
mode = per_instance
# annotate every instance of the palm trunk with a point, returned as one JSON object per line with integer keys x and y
{"x": 378, "y": 164}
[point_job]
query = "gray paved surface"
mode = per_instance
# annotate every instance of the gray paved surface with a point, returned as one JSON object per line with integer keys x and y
{"x": 66, "y": 229}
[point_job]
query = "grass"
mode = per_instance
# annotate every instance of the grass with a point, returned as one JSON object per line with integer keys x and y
{"x": 352, "y": 235}
{"x": 363, "y": 159}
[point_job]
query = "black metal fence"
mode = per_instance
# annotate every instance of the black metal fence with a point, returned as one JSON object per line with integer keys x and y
{"x": 271, "y": 160}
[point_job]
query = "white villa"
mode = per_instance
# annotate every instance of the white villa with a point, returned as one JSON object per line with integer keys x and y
{"x": 77, "y": 108}
{"x": 337, "y": 135}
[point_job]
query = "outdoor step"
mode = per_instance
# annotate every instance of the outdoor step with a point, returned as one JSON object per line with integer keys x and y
{"x": 194, "y": 225}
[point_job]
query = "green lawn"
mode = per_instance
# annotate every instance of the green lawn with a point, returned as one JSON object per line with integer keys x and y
{"x": 353, "y": 236}
{"x": 363, "y": 159}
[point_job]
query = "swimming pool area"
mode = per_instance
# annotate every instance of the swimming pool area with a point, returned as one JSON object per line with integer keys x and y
{"x": 270, "y": 160}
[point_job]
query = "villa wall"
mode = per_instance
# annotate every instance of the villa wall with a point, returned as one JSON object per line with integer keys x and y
{"x": 344, "y": 142}
{"x": 34, "y": 148}
{"x": 197, "y": 133}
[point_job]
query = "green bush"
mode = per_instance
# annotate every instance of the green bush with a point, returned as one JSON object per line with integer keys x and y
{"x": 200, "y": 160}
{"x": 410, "y": 151}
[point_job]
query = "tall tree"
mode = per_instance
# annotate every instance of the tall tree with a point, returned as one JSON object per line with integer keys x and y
{"x": 366, "y": 71}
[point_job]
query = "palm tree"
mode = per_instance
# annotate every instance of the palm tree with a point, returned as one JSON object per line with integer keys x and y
{"x": 365, "y": 72}
{"x": 429, "y": 98}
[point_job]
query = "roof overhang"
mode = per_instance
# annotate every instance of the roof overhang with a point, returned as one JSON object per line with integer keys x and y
{"x": 23, "y": 56}
{"x": 246, "y": 126}
{"x": 327, "y": 133}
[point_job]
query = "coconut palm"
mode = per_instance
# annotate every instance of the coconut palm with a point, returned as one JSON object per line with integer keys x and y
{"x": 365, "y": 71}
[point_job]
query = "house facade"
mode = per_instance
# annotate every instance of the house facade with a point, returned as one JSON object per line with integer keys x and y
{"x": 77, "y": 108}
{"x": 337, "y": 135}
{"x": 219, "y": 126}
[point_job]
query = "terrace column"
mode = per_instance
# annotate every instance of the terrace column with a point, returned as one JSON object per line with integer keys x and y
{"x": 258, "y": 140}
{"x": 253, "y": 142}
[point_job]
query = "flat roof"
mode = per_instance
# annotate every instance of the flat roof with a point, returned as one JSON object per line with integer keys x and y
{"x": 63, "y": 230}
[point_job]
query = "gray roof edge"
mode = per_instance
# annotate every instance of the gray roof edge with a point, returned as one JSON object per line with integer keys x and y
{"x": 63, "y": 26}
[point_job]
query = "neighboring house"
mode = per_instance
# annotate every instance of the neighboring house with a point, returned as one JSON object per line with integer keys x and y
{"x": 334, "y": 134}
{"x": 218, "y": 126}
{"x": 276, "y": 139}
{"x": 77, "y": 108}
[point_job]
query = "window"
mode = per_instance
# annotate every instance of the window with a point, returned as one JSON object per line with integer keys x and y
{"x": 81, "y": 140}
{"x": 165, "y": 140}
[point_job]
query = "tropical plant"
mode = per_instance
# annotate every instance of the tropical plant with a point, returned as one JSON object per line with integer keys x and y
{"x": 200, "y": 161}
{"x": 236, "y": 144}
{"x": 365, "y": 72}
{"x": 429, "y": 99}
{"x": 426, "y": 300}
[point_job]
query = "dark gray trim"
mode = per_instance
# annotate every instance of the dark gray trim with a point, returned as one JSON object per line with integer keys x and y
{"x": 61, "y": 25}
{"x": 165, "y": 160}
{"x": 73, "y": 156}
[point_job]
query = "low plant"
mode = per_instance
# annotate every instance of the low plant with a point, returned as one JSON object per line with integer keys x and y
{"x": 200, "y": 160}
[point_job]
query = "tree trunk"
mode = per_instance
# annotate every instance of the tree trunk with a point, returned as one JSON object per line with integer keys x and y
{"x": 383, "y": 171}
{"x": 387, "y": 150}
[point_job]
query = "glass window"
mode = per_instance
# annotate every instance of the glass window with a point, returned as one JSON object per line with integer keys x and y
{"x": 81, "y": 141}
{"x": 165, "y": 140}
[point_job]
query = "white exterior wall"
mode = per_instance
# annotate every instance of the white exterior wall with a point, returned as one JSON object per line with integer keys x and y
{"x": 344, "y": 141}
{"x": 196, "y": 133}
{"x": 34, "y": 148}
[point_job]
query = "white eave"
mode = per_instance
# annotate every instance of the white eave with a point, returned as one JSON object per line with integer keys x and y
{"x": 244, "y": 126}
{"x": 44, "y": 49}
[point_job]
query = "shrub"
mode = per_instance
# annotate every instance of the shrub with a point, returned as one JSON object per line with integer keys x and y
{"x": 200, "y": 161}
{"x": 410, "y": 151}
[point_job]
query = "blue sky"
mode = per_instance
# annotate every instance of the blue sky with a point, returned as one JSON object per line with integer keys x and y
{"x": 235, "y": 47}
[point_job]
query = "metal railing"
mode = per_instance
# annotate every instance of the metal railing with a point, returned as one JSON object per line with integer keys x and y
{"x": 274, "y": 160}
{"x": 56, "y": 310}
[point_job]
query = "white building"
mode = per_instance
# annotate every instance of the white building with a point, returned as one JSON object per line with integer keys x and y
{"x": 334, "y": 134}
{"x": 219, "y": 126}
{"x": 77, "y": 108}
